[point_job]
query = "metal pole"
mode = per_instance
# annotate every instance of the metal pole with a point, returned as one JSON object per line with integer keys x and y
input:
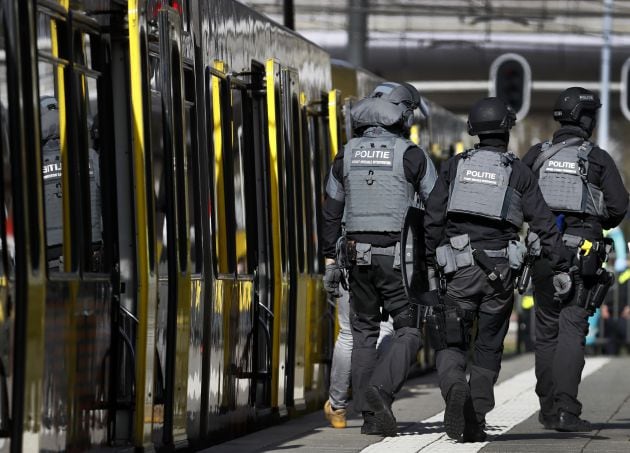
{"x": 289, "y": 14}
{"x": 604, "y": 114}
{"x": 357, "y": 31}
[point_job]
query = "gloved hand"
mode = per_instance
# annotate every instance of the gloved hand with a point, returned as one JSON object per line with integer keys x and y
{"x": 563, "y": 283}
{"x": 332, "y": 277}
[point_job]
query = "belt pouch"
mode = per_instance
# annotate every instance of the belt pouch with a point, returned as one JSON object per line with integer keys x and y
{"x": 453, "y": 326}
{"x": 364, "y": 254}
{"x": 436, "y": 330}
{"x": 446, "y": 258}
{"x": 462, "y": 251}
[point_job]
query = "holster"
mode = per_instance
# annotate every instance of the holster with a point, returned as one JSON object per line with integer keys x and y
{"x": 597, "y": 294}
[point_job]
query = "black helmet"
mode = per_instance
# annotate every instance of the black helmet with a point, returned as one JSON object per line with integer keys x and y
{"x": 490, "y": 116}
{"x": 574, "y": 104}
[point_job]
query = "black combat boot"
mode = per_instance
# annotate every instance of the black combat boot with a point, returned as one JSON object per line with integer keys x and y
{"x": 571, "y": 423}
{"x": 454, "y": 421}
{"x": 548, "y": 421}
{"x": 381, "y": 404}
{"x": 369, "y": 425}
{"x": 474, "y": 431}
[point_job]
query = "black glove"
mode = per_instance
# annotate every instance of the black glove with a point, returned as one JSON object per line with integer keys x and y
{"x": 564, "y": 283}
{"x": 332, "y": 276}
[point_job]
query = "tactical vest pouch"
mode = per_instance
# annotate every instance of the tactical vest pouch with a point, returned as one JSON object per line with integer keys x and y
{"x": 462, "y": 251}
{"x": 364, "y": 254}
{"x": 455, "y": 255}
{"x": 516, "y": 254}
{"x": 594, "y": 201}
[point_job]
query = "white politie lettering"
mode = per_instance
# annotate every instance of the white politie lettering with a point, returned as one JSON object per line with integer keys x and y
{"x": 372, "y": 154}
{"x": 481, "y": 174}
{"x": 562, "y": 164}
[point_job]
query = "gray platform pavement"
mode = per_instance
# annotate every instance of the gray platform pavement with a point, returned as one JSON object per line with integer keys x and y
{"x": 605, "y": 393}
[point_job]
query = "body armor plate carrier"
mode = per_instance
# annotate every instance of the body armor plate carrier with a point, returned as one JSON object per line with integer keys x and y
{"x": 563, "y": 183}
{"x": 481, "y": 187}
{"x": 377, "y": 191}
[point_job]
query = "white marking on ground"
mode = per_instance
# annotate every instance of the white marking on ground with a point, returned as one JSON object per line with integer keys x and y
{"x": 515, "y": 402}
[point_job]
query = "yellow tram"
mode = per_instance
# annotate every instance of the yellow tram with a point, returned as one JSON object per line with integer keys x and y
{"x": 179, "y": 301}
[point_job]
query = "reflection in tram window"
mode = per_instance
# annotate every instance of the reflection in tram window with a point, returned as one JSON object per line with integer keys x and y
{"x": 239, "y": 183}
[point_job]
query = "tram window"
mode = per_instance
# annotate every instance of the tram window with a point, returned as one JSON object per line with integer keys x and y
{"x": 240, "y": 232}
{"x": 194, "y": 211}
{"x": 95, "y": 248}
{"x": 298, "y": 176}
{"x": 309, "y": 189}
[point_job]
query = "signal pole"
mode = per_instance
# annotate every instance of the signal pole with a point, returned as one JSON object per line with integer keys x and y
{"x": 604, "y": 113}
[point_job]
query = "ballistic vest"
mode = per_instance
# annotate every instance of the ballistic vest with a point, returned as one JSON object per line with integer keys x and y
{"x": 481, "y": 187}
{"x": 377, "y": 192}
{"x": 563, "y": 181}
{"x": 52, "y": 172}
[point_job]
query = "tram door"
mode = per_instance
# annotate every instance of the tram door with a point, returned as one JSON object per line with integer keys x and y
{"x": 170, "y": 136}
{"x": 242, "y": 317}
{"x": 7, "y": 254}
{"x": 78, "y": 197}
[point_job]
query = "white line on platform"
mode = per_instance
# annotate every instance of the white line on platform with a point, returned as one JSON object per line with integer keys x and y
{"x": 515, "y": 400}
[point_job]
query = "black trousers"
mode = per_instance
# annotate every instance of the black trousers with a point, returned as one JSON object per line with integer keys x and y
{"x": 561, "y": 331}
{"x": 470, "y": 290}
{"x": 372, "y": 287}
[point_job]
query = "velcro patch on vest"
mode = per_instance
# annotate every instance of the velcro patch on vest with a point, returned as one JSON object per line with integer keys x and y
{"x": 561, "y": 166}
{"x": 479, "y": 176}
{"x": 372, "y": 157}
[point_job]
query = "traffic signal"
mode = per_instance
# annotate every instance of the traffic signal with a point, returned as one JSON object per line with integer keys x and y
{"x": 624, "y": 94}
{"x": 511, "y": 81}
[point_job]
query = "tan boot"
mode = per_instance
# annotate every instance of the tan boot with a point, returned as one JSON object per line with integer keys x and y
{"x": 337, "y": 418}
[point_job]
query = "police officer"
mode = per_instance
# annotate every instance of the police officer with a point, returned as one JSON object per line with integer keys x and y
{"x": 371, "y": 184}
{"x": 582, "y": 186}
{"x": 472, "y": 221}
{"x": 52, "y": 174}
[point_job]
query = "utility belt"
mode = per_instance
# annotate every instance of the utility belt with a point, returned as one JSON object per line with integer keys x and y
{"x": 459, "y": 254}
{"x": 591, "y": 256}
{"x": 360, "y": 253}
{"x": 446, "y": 326}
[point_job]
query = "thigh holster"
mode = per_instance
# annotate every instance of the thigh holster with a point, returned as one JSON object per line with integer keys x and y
{"x": 445, "y": 327}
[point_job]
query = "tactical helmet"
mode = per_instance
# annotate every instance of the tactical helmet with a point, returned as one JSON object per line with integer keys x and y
{"x": 490, "y": 116}
{"x": 577, "y": 105}
{"x": 49, "y": 120}
{"x": 390, "y": 104}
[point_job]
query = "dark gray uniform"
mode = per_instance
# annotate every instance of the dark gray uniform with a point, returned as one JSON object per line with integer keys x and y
{"x": 561, "y": 328}
{"x": 486, "y": 194}
{"x": 372, "y": 182}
